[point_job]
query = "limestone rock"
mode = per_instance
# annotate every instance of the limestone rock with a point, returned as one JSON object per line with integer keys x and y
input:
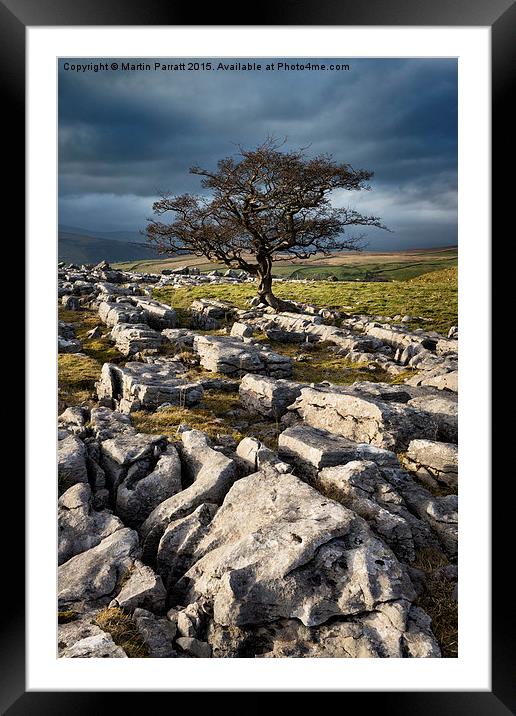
{"x": 241, "y": 330}
{"x": 210, "y": 313}
{"x": 79, "y": 526}
{"x": 441, "y": 513}
{"x": 68, "y": 345}
{"x": 146, "y": 386}
{"x": 446, "y": 346}
{"x": 211, "y": 473}
{"x": 131, "y": 338}
{"x": 70, "y": 303}
{"x": 387, "y": 425}
{"x": 445, "y": 411}
{"x": 302, "y": 328}
{"x": 312, "y": 449}
{"x": 194, "y": 647}
{"x": 71, "y": 462}
{"x": 191, "y": 621}
{"x": 290, "y": 327}
{"x": 435, "y": 461}
{"x": 142, "y": 589}
{"x": 65, "y": 330}
{"x": 107, "y": 423}
{"x": 361, "y": 486}
{"x": 179, "y": 337}
{"x": 95, "y": 575}
{"x": 73, "y": 420}
{"x": 113, "y": 313}
{"x": 267, "y": 396}
{"x": 372, "y": 636}
{"x": 157, "y": 315}
{"x": 156, "y": 633}
{"x": 179, "y": 541}
{"x": 257, "y": 455}
{"x": 137, "y": 496}
{"x": 130, "y": 455}
{"x": 97, "y": 646}
{"x": 78, "y": 628}
{"x": 277, "y": 548}
{"x": 446, "y": 381}
{"x": 398, "y": 337}
{"x": 230, "y": 356}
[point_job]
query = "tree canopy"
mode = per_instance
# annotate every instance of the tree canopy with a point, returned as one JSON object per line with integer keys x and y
{"x": 262, "y": 206}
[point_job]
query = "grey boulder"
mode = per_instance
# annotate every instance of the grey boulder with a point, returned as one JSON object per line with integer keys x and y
{"x": 80, "y": 527}
{"x": 141, "y": 589}
{"x": 94, "y": 576}
{"x": 211, "y": 474}
{"x": 277, "y": 548}
{"x": 267, "y": 396}
{"x": 312, "y": 449}
{"x": 137, "y": 497}
{"x": 98, "y": 646}
{"x": 71, "y": 462}
{"x": 387, "y": 425}
{"x": 433, "y": 462}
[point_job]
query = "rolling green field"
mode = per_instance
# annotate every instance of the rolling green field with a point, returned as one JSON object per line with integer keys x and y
{"x": 432, "y": 296}
{"x": 343, "y": 266}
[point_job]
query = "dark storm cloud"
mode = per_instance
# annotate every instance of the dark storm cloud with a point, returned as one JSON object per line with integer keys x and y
{"x": 124, "y": 136}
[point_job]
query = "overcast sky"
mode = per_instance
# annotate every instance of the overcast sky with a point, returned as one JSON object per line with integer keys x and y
{"x": 126, "y": 135}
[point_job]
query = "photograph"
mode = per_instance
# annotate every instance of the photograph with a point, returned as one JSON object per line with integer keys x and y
{"x": 257, "y": 311}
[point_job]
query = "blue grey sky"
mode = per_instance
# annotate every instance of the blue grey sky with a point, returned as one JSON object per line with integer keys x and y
{"x": 124, "y": 136}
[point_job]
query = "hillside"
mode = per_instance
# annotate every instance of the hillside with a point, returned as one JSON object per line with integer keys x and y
{"x": 85, "y": 249}
{"x": 343, "y": 265}
{"x": 134, "y": 237}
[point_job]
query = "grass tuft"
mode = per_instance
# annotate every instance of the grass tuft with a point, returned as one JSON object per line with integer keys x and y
{"x": 123, "y": 630}
{"x": 438, "y": 601}
{"x": 66, "y": 616}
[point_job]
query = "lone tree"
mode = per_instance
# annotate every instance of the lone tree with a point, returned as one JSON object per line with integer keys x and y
{"x": 264, "y": 206}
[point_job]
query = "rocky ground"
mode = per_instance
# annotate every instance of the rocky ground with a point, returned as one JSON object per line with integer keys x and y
{"x": 246, "y": 483}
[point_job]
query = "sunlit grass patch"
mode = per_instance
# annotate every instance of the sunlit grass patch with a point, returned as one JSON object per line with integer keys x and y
{"x": 431, "y": 296}
{"x": 101, "y": 348}
{"x": 76, "y": 379}
{"x": 212, "y": 416}
{"x": 123, "y": 630}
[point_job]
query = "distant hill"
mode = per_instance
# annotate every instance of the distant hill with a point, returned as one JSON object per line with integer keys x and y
{"x": 131, "y": 236}
{"x": 87, "y": 249}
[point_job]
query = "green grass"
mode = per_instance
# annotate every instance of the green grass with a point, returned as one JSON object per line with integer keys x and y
{"x": 432, "y": 295}
{"x": 211, "y": 417}
{"x": 77, "y": 374}
{"x": 343, "y": 266}
{"x": 321, "y": 363}
{"x": 101, "y": 349}
{"x": 76, "y": 379}
{"x": 392, "y": 271}
{"x": 219, "y": 413}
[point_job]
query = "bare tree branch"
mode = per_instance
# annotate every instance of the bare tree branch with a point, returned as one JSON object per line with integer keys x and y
{"x": 263, "y": 205}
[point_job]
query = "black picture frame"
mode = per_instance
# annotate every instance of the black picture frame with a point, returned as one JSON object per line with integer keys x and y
{"x": 500, "y": 16}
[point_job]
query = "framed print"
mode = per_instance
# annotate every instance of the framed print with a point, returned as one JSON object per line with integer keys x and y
{"x": 255, "y": 247}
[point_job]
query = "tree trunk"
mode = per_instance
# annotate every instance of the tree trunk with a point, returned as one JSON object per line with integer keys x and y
{"x": 265, "y": 294}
